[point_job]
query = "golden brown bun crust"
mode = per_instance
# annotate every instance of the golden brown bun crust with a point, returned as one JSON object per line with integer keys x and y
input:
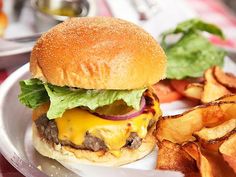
{"x": 98, "y": 53}
{"x": 71, "y": 155}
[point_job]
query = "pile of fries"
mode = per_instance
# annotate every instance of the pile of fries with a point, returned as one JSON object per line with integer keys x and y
{"x": 201, "y": 141}
{"x": 216, "y": 84}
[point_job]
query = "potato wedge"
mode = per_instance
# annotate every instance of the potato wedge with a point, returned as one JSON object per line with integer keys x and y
{"x": 217, "y": 131}
{"x": 210, "y": 164}
{"x": 194, "y": 90}
{"x": 212, "y": 138}
{"x": 230, "y": 97}
{"x": 214, "y": 115}
{"x": 228, "y": 150}
{"x": 203, "y": 164}
{"x": 226, "y": 79}
{"x": 205, "y": 133}
{"x": 179, "y": 128}
{"x": 171, "y": 156}
{"x": 212, "y": 89}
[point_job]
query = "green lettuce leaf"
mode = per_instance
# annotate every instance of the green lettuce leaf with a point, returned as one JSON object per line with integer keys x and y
{"x": 194, "y": 25}
{"x": 63, "y": 98}
{"x": 33, "y": 93}
{"x": 192, "y": 54}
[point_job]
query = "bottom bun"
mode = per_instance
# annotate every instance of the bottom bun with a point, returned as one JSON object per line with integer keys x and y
{"x": 71, "y": 155}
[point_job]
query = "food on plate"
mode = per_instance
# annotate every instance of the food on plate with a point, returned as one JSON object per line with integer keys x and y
{"x": 168, "y": 127}
{"x": 209, "y": 163}
{"x": 179, "y": 85}
{"x": 215, "y": 84}
{"x": 190, "y": 53}
{"x": 204, "y": 135}
{"x": 211, "y": 89}
{"x": 227, "y": 98}
{"x": 228, "y": 150}
{"x": 212, "y": 133}
{"x": 204, "y": 166}
{"x": 180, "y": 160}
{"x": 91, "y": 91}
{"x": 208, "y": 115}
{"x": 165, "y": 92}
{"x": 212, "y": 138}
{"x": 226, "y": 79}
{"x": 194, "y": 90}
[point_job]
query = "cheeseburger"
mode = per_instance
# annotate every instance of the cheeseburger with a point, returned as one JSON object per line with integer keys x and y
{"x": 91, "y": 91}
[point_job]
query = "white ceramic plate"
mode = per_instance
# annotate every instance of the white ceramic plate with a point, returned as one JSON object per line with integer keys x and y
{"x": 15, "y": 131}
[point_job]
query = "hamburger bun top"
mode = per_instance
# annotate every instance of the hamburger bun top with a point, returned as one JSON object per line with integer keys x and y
{"x": 98, "y": 53}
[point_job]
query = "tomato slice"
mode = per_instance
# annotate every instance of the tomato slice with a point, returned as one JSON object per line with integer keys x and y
{"x": 165, "y": 92}
{"x": 179, "y": 85}
{"x": 172, "y": 90}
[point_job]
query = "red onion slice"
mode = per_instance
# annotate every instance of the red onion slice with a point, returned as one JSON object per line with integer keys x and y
{"x": 129, "y": 115}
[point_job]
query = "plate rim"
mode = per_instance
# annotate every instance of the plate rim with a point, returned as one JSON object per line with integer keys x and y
{"x": 24, "y": 167}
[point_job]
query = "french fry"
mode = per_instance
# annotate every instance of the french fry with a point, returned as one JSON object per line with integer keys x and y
{"x": 203, "y": 164}
{"x": 212, "y": 89}
{"x": 171, "y": 156}
{"x": 194, "y": 90}
{"x": 230, "y": 97}
{"x": 205, "y": 134}
{"x": 228, "y": 150}
{"x": 226, "y": 79}
{"x": 210, "y": 164}
{"x": 212, "y": 138}
{"x": 180, "y": 128}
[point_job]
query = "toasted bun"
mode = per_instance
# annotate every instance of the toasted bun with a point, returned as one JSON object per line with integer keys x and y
{"x": 98, "y": 53}
{"x": 71, "y": 155}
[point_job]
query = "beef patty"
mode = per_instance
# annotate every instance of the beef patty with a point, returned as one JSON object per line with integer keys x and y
{"x": 48, "y": 130}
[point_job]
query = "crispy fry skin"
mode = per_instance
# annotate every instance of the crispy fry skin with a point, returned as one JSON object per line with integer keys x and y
{"x": 203, "y": 164}
{"x": 216, "y": 84}
{"x": 209, "y": 163}
{"x": 212, "y": 138}
{"x": 180, "y": 128}
{"x": 212, "y": 89}
{"x": 229, "y": 97}
{"x": 194, "y": 90}
{"x": 173, "y": 157}
{"x": 228, "y": 150}
{"x": 205, "y": 134}
{"x": 226, "y": 79}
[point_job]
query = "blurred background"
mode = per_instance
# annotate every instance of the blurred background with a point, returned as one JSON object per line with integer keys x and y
{"x": 23, "y": 21}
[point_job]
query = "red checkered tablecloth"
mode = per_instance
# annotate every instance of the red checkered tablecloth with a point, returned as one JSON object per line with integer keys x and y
{"x": 214, "y": 11}
{"x": 210, "y": 10}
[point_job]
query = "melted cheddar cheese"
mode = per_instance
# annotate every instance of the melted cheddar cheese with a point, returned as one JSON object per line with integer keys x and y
{"x": 75, "y": 123}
